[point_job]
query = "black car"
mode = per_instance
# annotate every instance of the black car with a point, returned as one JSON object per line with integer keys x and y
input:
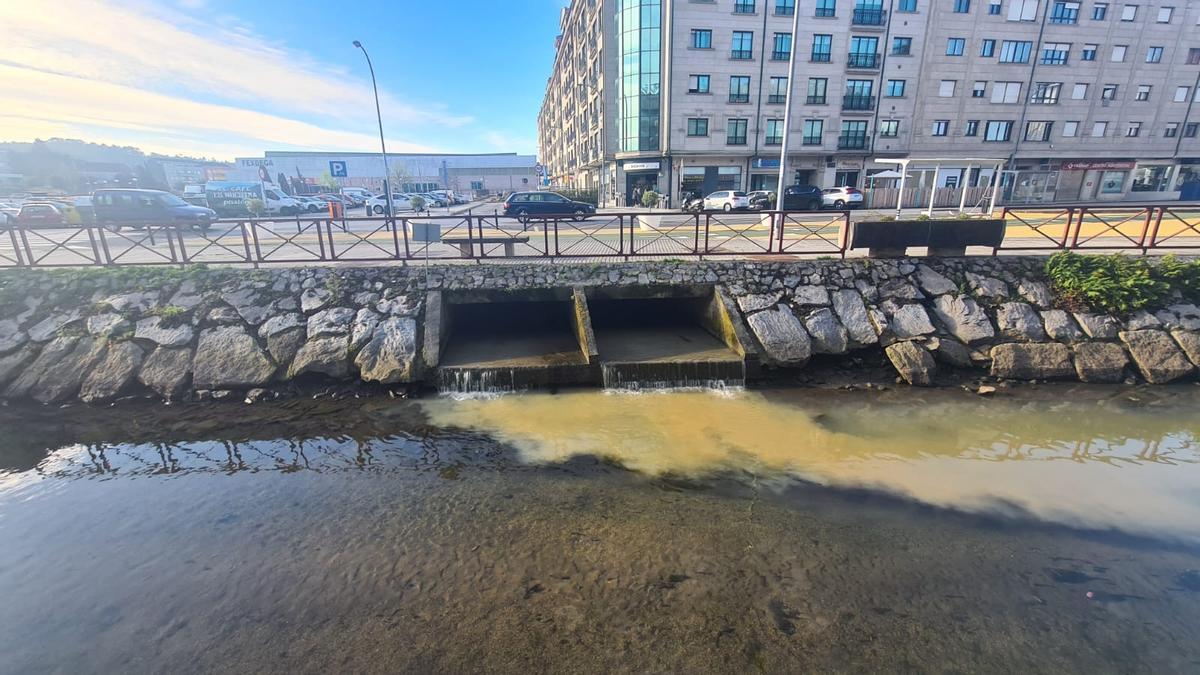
{"x": 526, "y": 205}
{"x": 801, "y": 198}
{"x": 115, "y": 208}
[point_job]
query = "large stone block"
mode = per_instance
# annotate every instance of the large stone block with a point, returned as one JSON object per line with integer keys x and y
{"x": 1051, "y": 361}
{"x": 933, "y": 282}
{"x": 390, "y": 356}
{"x": 913, "y": 362}
{"x": 1100, "y": 362}
{"x": 166, "y": 371}
{"x": 112, "y": 373}
{"x": 782, "y": 336}
{"x": 849, "y": 306}
{"x": 963, "y": 317}
{"x": 1157, "y": 356}
{"x": 152, "y": 329}
{"x": 1098, "y": 326}
{"x": 828, "y": 336}
{"x": 12, "y": 364}
{"x": 1019, "y": 321}
{"x": 51, "y": 354}
{"x": 326, "y": 355}
{"x": 1060, "y": 326}
{"x": 1189, "y": 341}
{"x": 910, "y": 321}
{"x": 61, "y": 380}
{"x": 228, "y": 358}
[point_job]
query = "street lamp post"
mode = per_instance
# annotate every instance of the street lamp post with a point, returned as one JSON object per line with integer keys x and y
{"x": 787, "y": 112}
{"x": 387, "y": 176}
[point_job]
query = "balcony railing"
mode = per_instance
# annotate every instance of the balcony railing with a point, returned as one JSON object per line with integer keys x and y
{"x": 821, "y": 57}
{"x": 858, "y": 102}
{"x": 741, "y": 54}
{"x": 815, "y": 100}
{"x": 780, "y": 56}
{"x": 825, "y": 13}
{"x": 812, "y": 140}
{"x": 774, "y": 140}
{"x": 868, "y": 17}
{"x": 739, "y": 98}
{"x": 862, "y": 60}
{"x": 853, "y": 142}
{"x": 776, "y": 98}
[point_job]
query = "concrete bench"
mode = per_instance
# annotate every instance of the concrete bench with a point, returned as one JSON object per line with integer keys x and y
{"x": 464, "y": 243}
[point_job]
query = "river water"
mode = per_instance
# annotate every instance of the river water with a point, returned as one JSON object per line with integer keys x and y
{"x": 1043, "y": 530}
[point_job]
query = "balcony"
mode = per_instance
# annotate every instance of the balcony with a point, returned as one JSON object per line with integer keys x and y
{"x": 812, "y": 140}
{"x": 815, "y": 99}
{"x": 776, "y": 98}
{"x": 854, "y": 142}
{"x": 821, "y": 57}
{"x": 858, "y": 102}
{"x": 780, "y": 56}
{"x": 862, "y": 60}
{"x": 868, "y": 17}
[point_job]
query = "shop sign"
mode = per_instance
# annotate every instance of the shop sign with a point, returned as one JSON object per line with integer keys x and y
{"x": 1113, "y": 165}
{"x": 640, "y": 166}
{"x": 762, "y": 163}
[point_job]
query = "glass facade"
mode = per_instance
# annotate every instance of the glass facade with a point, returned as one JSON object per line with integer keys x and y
{"x": 639, "y": 26}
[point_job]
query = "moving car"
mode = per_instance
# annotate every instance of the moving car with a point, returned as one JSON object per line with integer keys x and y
{"x": 801, "y": 198}
{"x": 526, "y": 205}
{"x": 378, "y": 204}
{"x": 40, "y": 213}
{"x": 727, "y": 200}
{"x": 137, "y": 208}
{"x": 841, "y": 198}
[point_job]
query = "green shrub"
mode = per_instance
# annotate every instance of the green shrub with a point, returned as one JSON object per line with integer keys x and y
{"x": 650, "y": 199}
{"x": 1107, "y": 283}
{"x": 1182, "y": 276}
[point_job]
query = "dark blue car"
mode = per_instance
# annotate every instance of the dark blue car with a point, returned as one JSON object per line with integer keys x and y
{"x": 526, "y": 205}
{"x": 117, "y": 207}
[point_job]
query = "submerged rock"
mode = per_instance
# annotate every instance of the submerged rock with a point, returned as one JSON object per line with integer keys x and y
{"x": 112, "y": 373}
{"x": 913, "y": 362}
{"x": 782, "y": 336}
{"x": 1050, "y": 361}
{"x": 1157, "y": 356}
{"x": 1100, "y": 362}
{"x": 227, "y": 357}
{"x": 389, "y": 356}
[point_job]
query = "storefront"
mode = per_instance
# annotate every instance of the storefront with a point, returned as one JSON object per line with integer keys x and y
{"x": 764, "y": 173}
{"x": 704, "y": 179}
{"x": 1097, "y": 180}
{"x": 640, "y": 178}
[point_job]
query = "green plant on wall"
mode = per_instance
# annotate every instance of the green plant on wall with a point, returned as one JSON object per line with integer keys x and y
{"x": 1182, "y": 276}
{"x": 1108, "y": 283}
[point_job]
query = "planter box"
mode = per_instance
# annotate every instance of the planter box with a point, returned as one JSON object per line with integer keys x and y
{"x": 947, "y": 237}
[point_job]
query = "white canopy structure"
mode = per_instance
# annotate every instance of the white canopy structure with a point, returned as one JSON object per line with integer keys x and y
{"x": 901, "y": 172}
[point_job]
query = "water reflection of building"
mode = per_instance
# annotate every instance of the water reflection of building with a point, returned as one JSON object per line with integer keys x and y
{"x": 1090, "y": 101}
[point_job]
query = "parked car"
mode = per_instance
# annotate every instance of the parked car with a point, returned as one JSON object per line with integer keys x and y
{"x": 434, "y": 200}
{"x": 9, "y": 212}
{"x": 526, "y": 205}
{"x": 83, "y": 206}
{"x": 312, "y": 204}
{"x": 117, "y": 207}
{"x": 40, "y": 213}
{"x": 727, "y": 200}
{"x": 841, "y": 198}
{"x": 378, "y": 204}
{"x": 359, "y": 195}
{"x": 761, "y": 199}
{"x": 801, "y": 198}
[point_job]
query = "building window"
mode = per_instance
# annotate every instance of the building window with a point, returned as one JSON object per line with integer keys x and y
{"x": 889, "y": 128}
{"x": 978, "y": 89}
{"x": 1099, "y": 129}
{"x": 743, "y": 6}
{"x": 639, "y": 25}
{"x": 1070, "y": 129}
{"x": 1064, "y": 12}
{"x": 1171, "y": 130}
{"x": 962, "y": 6}
{"x": 1129, "y": 13}
{"x": 901, "y": 46}
{"x": 701, "y": 38}
{"x": 1164, "y": 14}
{"x": 1045, "y": 93}
{"x": 946, "y": 88}
{"x": 774, "y": 132}
{"x": 1154, "y": 55}
{"x": 895, "y": 88}
{"x": 863, "y": 52}
{"x": 1109, "y": 92}
{"x": 858, "y": 95}
{"x": 1193, "y": 56}
{"x": 739, "y": 89}
{"x": 1189, "y": 129}
{"x": 1151, "y": 178}
{"x": 697, "y": 126}
{"x": 785, "y": 7}
{"x": 941, "y": 127}
{"x": 743, "y": 45}
{"x": 816, "y": 90}
{"x": 972, "y": 128}
{"x": 853, "y": 136}
{"x": 826, "y": 8}
{"x": 987, "y": 48}
{"x": 783, "y": 47}
{"x": 1133, "y": 130}
{"x": 907, "y": 6}
{"x": 1038, "y": 132}
{"x": 1099, "y": 11}
{"x": 1089, "y": 52}
{"x": 1143, "y": 93}
{"x": 697, "y": 84}
{"x": 1022, "y": 10}
{"x": 994, "y": 9}
{"x": 997, "y": 131}
{"x": 1079, "y": 93}
{"x": 1015, "y": 51}
{"x": 813, "y": 131}
{"x": 1006, "y": 92}
{"x": 1118, "y": 53}
{"x": 1181, "y": 94}
{"x": 778, "y": 91}
{"x": 735, "y": 133}
{"x": 822, "y": 48}
{"x": 955, "y": 46}
{"x": 1055, "y": 53}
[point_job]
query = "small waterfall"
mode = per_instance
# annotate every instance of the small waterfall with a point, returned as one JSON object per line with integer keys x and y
{"x": 674, "y": 375}
{"x": 478, "y": 380}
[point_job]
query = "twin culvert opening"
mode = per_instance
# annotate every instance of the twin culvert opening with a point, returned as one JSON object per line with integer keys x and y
{"x": 622, "y": 337}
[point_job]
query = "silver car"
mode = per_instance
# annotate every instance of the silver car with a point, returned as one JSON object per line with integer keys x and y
{"x": 841, "y": 198}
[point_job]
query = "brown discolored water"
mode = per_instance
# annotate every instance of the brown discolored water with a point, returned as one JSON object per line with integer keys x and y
{"x": 1051, "y": 529}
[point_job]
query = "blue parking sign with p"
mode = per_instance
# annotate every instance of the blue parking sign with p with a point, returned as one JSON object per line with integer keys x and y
{"x": 337, "y": 169}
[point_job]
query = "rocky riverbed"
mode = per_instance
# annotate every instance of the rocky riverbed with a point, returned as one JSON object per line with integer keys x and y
{"x": 100, "y": 335}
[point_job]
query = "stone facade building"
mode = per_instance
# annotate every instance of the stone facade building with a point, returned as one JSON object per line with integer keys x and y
{"x": 1084, "y": 100}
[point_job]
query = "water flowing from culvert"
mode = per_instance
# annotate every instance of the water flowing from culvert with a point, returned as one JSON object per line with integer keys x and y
{"x": 720, "y": 375}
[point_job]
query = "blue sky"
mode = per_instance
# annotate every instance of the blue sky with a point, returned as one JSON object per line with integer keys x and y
{"x": 225, "y": 78}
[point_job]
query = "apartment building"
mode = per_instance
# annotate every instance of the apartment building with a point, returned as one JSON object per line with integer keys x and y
{"x": 1082, "y": 100}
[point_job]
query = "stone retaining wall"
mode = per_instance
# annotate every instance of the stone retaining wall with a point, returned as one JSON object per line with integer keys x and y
{"x": 96, "y": 335}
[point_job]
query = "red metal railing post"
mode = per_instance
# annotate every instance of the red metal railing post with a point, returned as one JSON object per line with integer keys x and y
{"x": 1146, "y": 227}
{"x": 1078, "y": 226}
{"x": 707, "y": 227}
{"x": 1162, "y": 210}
